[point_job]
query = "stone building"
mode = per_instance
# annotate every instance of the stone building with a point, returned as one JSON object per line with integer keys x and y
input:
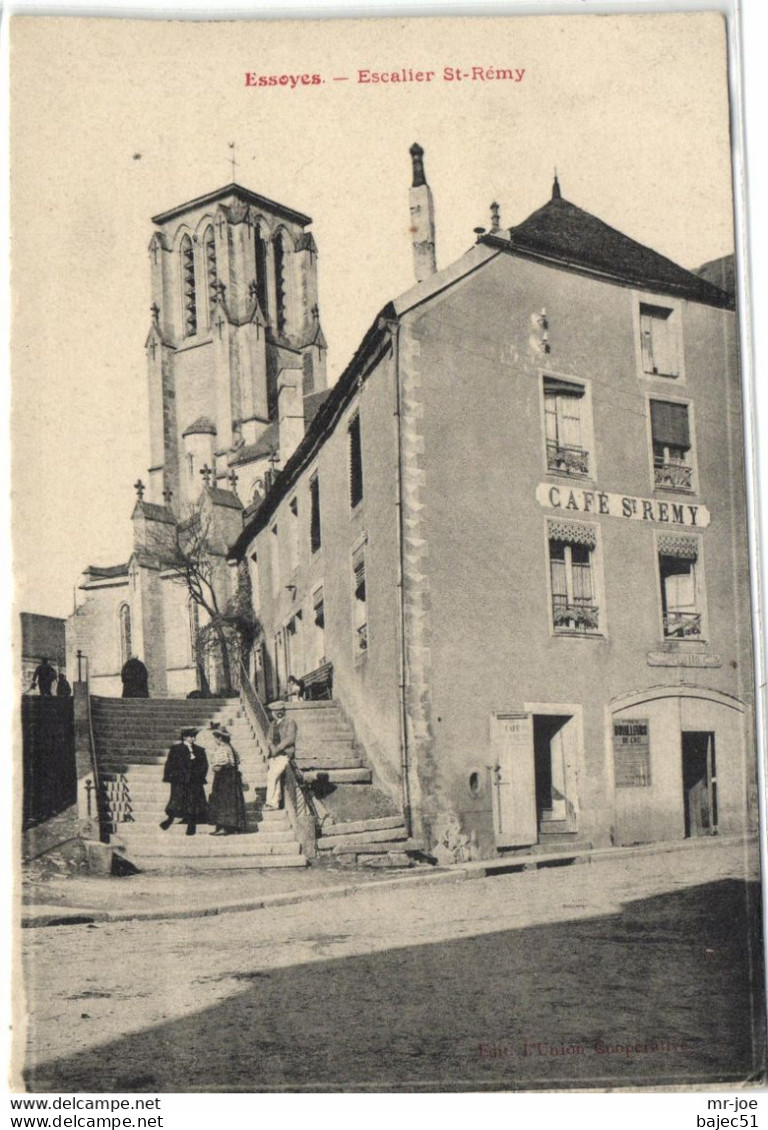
{"x": 234, "y": 346}
{"x": 516, "y": 530}
{"x": 42, "y": 637}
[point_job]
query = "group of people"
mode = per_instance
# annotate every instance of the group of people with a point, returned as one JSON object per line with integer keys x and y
{"x": 186, "y": 771}
{"x": 45, "y": 676}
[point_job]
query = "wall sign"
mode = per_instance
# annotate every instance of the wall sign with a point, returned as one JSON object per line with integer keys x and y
{"x": 576, "y": 500}
{"x": 631, "y": 753}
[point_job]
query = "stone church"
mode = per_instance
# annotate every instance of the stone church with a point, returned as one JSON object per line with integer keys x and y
{"x": 236, "y": 369}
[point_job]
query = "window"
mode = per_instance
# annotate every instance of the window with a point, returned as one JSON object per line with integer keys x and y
{"x": 355, "y": 462}
{"x": 632, "y": 753}
{"x": 255, "y": 581}
{"x": 193, "y": 613}
{"x": 572, "y": 577}
{"x": 360, "y": 615}
{"x": 281, "y": 285}
{"x": 293, "y": 545}
{"x": 209, "y": 243}
{"x": 671, "y": 437}
{"x": 261, "y": 271}
{"x": 563, "y": 414}
{"x": 679, "y": 574}
{"x": 659, "y": 341}
{"x": 315, "y": 533}
{"x": 126, "y": 643}
{"x": 188, "y": 290}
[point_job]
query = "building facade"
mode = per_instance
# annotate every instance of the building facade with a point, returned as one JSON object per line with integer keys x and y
{"x": 516, "y": 528}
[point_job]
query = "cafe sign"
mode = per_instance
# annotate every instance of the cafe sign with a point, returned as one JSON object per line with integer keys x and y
{"x": 575, "y": 500}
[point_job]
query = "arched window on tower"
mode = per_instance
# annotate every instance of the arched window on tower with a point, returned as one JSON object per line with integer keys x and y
{"x": 211, "y": 274}
{"x": 281, "y": 285}
{"x": 261, "y": 270}
{"x": 188, "y": 290}
{"x": 126, "y": 642}
{"x": 194, "y": 629}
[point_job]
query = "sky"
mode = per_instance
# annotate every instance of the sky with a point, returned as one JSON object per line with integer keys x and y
{"x": 113, "y": 122}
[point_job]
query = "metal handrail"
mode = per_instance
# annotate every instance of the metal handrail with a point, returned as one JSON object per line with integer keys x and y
{"x": 298, "y": 800}
{"x": 105, "y": 827}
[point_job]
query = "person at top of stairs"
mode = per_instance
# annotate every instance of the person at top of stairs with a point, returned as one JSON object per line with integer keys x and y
{"x": 186, "y": 771}
{"x": 226, "y": 807}
{"x": 282, "y": 747}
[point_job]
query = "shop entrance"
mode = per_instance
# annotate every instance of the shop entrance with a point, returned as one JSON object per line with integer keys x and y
{"x": 699, "y": 783}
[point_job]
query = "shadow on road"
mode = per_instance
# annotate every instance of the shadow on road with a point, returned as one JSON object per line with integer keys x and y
{"x": 678, "y": 974}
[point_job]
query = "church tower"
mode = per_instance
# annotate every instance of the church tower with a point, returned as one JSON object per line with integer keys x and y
{"x": 234, "y": 344}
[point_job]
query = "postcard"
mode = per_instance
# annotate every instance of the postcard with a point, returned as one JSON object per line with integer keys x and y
{"x": 382, "y": 558}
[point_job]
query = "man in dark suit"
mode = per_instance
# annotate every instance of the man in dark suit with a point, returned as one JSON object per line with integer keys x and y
{"x": 186, "y": 771}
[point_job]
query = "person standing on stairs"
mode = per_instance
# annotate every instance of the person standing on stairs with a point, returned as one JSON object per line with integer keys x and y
{"x": 282, "y": 748}
{"x": 186, "y": 771}
{"x": 226, "y": 807}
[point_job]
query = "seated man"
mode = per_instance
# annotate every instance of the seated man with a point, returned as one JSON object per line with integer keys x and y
{"x": 282, "y": 748}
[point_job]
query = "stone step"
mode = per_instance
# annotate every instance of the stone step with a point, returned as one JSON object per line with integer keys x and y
{"x": 381, "y": 848}
{"x": 204, "y": 844}
{"x": 186, "y": 863}
{"x": 341, "y": 776}
{"x": 149, "y": 822}
{"x": 370, "y": 824}
{"x": 362, "y": 839}
{"x": 327, "y": 761}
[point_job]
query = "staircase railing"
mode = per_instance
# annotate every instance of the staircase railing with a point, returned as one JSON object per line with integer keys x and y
{"x": 296, "y": 795}
{"x": 94, "y": 788}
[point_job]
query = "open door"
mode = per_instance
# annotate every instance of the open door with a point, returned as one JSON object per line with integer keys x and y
{"x": 699, "y": 784}
{"x": 514, "y": 780}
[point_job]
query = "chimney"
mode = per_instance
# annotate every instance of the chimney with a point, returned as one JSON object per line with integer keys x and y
{"x": 422, "y": 218}
{"x": 290, "y": 412}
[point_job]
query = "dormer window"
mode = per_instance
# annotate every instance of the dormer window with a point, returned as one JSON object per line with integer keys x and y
{"x": 188, "y": 289}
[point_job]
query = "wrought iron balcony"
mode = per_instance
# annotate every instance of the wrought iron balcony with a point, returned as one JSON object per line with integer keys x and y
{"x": 675, "y": 476}
{"x": 576, "y": 617}
{"x": 681, "y": 625}
{"x": 571, "y": 460}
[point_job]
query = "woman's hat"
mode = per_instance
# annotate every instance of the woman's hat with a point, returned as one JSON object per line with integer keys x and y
{"x": 278, "y": 704}
{"x": 221, "y": 732}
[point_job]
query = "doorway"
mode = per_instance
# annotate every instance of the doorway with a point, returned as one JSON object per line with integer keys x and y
{"x": 550, "y": 735}
{"x": 699, "y": 783}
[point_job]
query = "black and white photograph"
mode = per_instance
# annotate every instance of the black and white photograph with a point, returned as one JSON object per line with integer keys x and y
{"x": 384, "y": 557}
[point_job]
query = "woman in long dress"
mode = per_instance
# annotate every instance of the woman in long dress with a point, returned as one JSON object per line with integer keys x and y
{"x": 226, "y": 807}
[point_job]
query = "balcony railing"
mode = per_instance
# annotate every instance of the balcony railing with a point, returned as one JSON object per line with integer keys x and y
{"x": 576, "y": 617}
{"x": 571, "y": 460}
{"x": 675, "y": 476}
{"x": 681, "y": 625}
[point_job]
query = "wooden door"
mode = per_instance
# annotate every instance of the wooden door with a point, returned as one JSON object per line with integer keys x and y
{"x": 514, "y": 780}
{"x": 699, "y": 783}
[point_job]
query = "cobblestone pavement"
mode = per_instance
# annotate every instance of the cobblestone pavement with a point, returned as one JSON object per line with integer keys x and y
{"x": 537, "y": 979}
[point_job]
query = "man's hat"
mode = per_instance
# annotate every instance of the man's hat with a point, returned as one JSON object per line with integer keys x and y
{"x": 278, "y": 704}
{"x": 189, "y": 732}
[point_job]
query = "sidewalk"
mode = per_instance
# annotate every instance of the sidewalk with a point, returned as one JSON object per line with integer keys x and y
{"x": 90, "y": 899}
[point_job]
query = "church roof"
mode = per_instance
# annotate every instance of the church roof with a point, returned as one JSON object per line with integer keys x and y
{"x": 154, "y": 512}
{"x": 312, "y": 404}
{"x": 104, "y": 572}
{"x": 203, "y": 425}
{"x": 244, "y": 194}
{"x": 563, "y": 233}
{"x": 224, "y": 498}
{"x": 267, "y": 442}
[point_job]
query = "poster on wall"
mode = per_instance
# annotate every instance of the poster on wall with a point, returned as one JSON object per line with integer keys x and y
{"x": 376, "y": 381}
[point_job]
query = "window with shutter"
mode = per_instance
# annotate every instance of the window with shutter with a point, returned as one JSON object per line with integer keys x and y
{"x": 281, "y": 285}
{"x": 571, "y": 577}
{"x": 355, "y": 462}
{"x": 680, "y": 576}
{"x": 659, "y": 341}
{"x": 563, "y": 414}
{"x": 671, "y": 437}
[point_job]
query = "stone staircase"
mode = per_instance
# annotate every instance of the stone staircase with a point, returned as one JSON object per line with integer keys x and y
{"x": 359, "y": 824}
{"x": 132, "y": 737}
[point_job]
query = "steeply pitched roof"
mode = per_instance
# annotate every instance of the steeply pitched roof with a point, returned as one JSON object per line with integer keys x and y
{"x": 563, "y": 233}
{"x": 244, "y": 194}
{"x": 104, "y": 572}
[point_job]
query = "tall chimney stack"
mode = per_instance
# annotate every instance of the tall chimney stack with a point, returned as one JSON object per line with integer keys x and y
{"x": 422, "y": 218}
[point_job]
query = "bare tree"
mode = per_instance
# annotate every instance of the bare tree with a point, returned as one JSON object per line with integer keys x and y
{"x": 190, "y": 556}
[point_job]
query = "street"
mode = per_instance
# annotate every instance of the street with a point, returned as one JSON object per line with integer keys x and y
{"x": 614, "y": 973}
